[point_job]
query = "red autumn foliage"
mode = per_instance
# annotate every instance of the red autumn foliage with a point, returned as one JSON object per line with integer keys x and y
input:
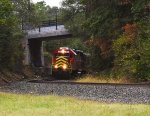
{"x": 131, "y": 31}
{"x": 103, "y": 44}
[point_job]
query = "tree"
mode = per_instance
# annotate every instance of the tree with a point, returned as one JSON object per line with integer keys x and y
{"x": 9, "y": 36}
{"x": 132, "y": 47}
{"x": 41, "y": 11}
{"x": 74, "y": 16}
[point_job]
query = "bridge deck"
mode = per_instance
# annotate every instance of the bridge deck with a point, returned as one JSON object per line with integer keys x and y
{"x": 48, "y": 32}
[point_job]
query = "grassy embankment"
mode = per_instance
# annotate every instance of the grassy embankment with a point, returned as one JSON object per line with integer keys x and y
{"x": 28, "y": 105}
{"x": 102, "y": 79}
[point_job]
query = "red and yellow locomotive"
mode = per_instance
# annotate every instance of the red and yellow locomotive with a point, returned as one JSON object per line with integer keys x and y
{"x": 69, "y": 61}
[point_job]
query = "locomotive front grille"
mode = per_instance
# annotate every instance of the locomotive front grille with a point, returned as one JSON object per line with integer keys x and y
{"x": 62, "y": 62}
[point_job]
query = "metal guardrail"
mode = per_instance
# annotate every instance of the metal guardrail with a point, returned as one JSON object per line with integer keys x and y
{"x": 47, "y": 23}
{"x": 50, "y": 23}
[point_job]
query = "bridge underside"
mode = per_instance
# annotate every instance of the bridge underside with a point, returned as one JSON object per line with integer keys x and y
{"x": 35, "y": 52}
{"x": 36, "y": 49}
{"x": 57, "y": 37}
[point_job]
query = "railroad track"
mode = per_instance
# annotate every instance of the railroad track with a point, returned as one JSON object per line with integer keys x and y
{"x": 86, "y": 83}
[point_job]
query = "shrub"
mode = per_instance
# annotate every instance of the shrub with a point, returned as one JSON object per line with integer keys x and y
{"x": 132, "y": 51}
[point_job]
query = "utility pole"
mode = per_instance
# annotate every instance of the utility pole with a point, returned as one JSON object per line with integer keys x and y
{"x": 56, "y": 14}
{"x": 56, "y": 19}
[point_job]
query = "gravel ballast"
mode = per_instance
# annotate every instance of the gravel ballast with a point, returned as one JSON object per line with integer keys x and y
{"x": 134, "y": 94}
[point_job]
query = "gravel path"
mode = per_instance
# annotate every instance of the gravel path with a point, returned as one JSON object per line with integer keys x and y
{"x": 104, "y": 93}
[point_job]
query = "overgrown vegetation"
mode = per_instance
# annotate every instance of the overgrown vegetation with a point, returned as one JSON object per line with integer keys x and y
{"x": 27, "y": 105}
{"x": 10, "y": 45}
{"x": 117, "y": 32}
{"x": 132, "y": 52}
{"x": 103, "y": 78}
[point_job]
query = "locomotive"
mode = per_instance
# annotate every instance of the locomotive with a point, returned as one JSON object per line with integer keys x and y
{"x": 68, "y": 61}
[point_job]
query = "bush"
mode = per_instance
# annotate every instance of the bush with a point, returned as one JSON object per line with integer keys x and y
{"x": 10, "y": 44}
{"x": 132, "y": 52}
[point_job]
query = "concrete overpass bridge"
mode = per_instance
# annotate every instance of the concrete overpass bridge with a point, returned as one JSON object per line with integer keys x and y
{"x": 33, "y": 42}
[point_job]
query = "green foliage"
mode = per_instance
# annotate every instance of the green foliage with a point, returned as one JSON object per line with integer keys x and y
{"x": 96, "y": 61}
{"x": 41, "y": 11}
{"x": 140, "y": 9}
{"x": 102, "y": 20}
{"x": 22, "y": 7}
{"x": 75, "y": 25}
{"x": 132, "y": 57}
{"x": 10, "y": 46}
{"x": 77, "y": 43}
{"x": 6, "y": 14}
{"x": 73, "y": 15}
{"x": 32, "y": 14}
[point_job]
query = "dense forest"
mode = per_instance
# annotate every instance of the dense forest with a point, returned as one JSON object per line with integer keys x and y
{"x": 116, "y": 33}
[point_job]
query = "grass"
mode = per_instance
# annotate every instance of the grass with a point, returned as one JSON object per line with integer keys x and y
{"x": 100, "y": 79}
{"x": 28, "y": 105}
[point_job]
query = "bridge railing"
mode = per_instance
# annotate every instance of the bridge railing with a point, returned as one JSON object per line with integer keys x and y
{"x": 47, "y": 23}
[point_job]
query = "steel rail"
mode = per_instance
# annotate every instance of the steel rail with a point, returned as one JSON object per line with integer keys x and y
{"x": 87, "y": 83}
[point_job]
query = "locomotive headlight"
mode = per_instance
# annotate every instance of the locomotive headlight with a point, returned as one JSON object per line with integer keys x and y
{"x": 62, "y": 51}
{"x": 56, "y": 66}
{"x": 64, "y": 66}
